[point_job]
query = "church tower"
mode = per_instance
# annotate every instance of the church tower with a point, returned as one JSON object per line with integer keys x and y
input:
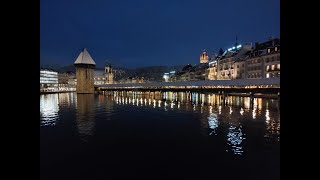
{"x": 204, "y": 58}
{"x": 109, "y": 74}
{"x": 85, "y": 66}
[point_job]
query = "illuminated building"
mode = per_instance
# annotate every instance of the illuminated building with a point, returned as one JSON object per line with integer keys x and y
{"x": 264, "y": 60}
{"x": 64, "y": 83}
{"x": 170, "y": 77}
{"x": 99, "y": 77}
{"x": 48, "y": 80}
{"x": 72, "y": 80}
{"x": 85, "y": 66}
{"x": 230, "y": 65}
{"x": 213, "y": 70}
{"x": 166, "y": 77}
{"x": 109, "y": 75}
{"x": 204, "y": 58}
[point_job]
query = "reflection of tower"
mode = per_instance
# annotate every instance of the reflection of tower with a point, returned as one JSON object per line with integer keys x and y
{"x": 204, "y": 58}
{"x": 109, "y": 74}
{"x": 85, "y": 66}
{"x": 85, "y": 115}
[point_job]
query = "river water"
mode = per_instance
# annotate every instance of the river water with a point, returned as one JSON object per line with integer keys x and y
{"x": 153, "y": 135}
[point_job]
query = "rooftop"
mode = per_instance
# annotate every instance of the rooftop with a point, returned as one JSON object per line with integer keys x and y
{"x": 84, "y": 58}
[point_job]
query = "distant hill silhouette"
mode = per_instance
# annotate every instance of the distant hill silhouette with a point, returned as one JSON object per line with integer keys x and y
{"x": 149, "y": 73}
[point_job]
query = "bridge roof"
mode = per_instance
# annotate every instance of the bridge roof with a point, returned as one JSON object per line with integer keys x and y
{"x": 84, "y": 58}
{"x": 234, "y": 82}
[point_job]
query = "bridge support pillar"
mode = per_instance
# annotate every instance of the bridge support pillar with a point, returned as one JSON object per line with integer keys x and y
{"x": 223, "y": 97}
{"x": 251, "y": 99}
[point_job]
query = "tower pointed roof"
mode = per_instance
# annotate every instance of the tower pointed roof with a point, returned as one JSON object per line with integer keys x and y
{"x": 84, "y": 58}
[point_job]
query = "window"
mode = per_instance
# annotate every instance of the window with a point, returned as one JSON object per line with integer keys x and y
{"x": 238, "y": 66}
{"x": 272, "y": 59}
{"x": 272, "y": 67}
{"x": 276, "y": 49}
{"x": 278, "y": 66}
{"x": 267, "y": 60}
{"x": 268, "y": 50}
{"x": 267, "y": 75}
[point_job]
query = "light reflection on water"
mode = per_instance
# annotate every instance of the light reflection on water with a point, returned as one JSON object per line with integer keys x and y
{"x": 49, "y": 109}
{"x": 234, "y": 140}
{"x": 215, "y": 113}
{"x": 214, "y": 118}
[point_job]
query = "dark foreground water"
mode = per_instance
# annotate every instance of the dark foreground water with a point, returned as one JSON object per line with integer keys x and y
{"x": 153, "y": 136}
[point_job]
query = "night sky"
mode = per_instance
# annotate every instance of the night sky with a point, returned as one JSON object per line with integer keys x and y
{"x": 134, "y": 33}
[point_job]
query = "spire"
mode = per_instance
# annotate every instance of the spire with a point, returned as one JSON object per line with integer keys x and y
{"x": 84, "y": 58}
{"x": 236, "y": 41}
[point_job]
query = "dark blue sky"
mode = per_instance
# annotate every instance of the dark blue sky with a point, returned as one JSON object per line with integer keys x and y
{"x": 135, "y": 33}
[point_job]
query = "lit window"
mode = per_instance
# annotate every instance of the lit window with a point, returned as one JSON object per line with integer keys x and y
{"x": 272, "y": 67}
{"x": 268, "y": 68}
{"x": 278, "y": 66}
{"x": 267, "y": 75}
{"x": 268, "y": 50}
{"x": 276, "y": 49}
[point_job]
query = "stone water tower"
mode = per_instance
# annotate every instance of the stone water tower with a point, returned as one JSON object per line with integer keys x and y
{"x": 85, "y": 66}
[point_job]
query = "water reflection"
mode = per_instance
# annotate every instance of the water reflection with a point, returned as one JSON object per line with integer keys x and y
{"x": 272, "y": 126}
{"x": 214, "y": 116}
{"x": 85, "y": 116}
{"x": 235, "y": 138}
{"x": 49, "y": 109}
{"x": 213, "y": 122}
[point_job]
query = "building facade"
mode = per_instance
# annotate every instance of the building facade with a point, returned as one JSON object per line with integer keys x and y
{"x": 48, "y": 80}
{"x": 204, "y": 58}
{"x": 99, "y": 77}
{"x": 229, "y": 63}
{"x": 213, "y": 70}
{"x": 109, "y": 75}
{"x": 264, "y": 60}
